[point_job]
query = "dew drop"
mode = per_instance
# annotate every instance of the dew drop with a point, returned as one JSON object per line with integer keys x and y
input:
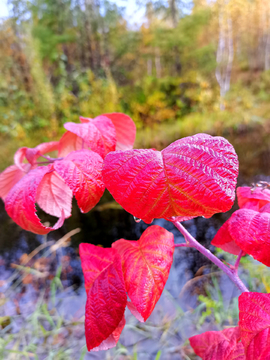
{"x": 137, "y": 219}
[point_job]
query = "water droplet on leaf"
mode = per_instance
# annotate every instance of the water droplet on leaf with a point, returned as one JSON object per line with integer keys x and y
{"x": 137, "y": 219}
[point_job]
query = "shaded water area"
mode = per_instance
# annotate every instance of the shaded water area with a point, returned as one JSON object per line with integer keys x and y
{"x": 168, "y": 327}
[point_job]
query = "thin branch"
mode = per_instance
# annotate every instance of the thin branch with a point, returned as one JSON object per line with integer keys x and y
{"x": 194, "y": 243}
{"x": 181, "y": 245}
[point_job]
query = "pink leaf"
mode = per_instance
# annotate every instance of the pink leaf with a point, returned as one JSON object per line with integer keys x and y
{"x": 125, "y": 130}
{"x": 19, "y": 156}
{"x": 20, "y": 202}
{"x": 254, "y": 324}
{"x": 106, "y": 297}
{"x": 82, "y": 172}
{"x": 70, "y": 142}
{"x": 193, "y": 176}
{"x": 146, "y": 265}
{"x": 54, "y": 196}
{"x": 32, "y": 154}
{"x": 98, "y": 134}
{"x": 10, "y": 176}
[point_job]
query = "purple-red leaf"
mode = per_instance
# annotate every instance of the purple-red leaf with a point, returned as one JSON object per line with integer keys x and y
{"x": 125, "y": 130}
{"x": 106, "y": 296}
{"x": 218, "y": 345}
{"x": 10, "y": 176}
{"x": 20, "y": 202}
{"x": 193, "y": 176}
{"x": 247, "y": 230}
{"x": 254, "y": 324}
{"x": 252, "y": 199}
{"x": 146, "y": 265}
{"x": 82, "y": 172}
{"x": 250, "y": 230}
{"x": 224, "y": 239}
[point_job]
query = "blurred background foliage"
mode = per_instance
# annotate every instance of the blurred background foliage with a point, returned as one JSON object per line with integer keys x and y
{"x": 189, "y": 66}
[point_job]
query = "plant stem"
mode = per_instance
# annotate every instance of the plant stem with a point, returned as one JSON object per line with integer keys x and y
{"x": 237, "y": 262}
{"x": 232, "y": 273}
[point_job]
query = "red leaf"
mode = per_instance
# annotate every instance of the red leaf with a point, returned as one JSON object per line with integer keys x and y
{"x": 134, "y": 311}
{"x": 113, "y": 339}
{"x": 254, "y": 200}
{"x": 146, "y": 265}
{"x": 20, "y": 202}
{"x": 106, "y": 297}
{"x": 218, "y": 345}
{"x": 10, "y": 176}
{"x": 254, "y": 324}
{"x": 193, "y": 176}
{"x": 98, "y": 134}
{"x": 32, "y": 154}
{"x": 54, "y": 196}
{"x": 224, "y": 240}
{"x": 82, "y": 172}
{"x": 94, "y": 260}
{"x": 125, "y": 130}
{"x": 250, "y": 230}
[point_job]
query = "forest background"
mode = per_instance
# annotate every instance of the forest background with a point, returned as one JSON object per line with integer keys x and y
{"x": 187, "y": 67}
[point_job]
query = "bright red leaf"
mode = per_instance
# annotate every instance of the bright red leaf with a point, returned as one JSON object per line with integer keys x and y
{"x": 193, "y": 176}
{"x": 94, "y": 260}
{"x": 10, "y": 176}
{"x": 20, "y": 202}
{"x": 32, "y": 154}
{"x": 218, "y": 345}
{"x": 106, "y": 296}
{"x": 113, "y": 339}
{"x": 254, "y": 324}
{"x": 125, "y": 130}
{"x": 97, "y": 134}
{"x": 82, "y": 172}
{"x": 146, "y": 265}
{"x": 252, "y": 199}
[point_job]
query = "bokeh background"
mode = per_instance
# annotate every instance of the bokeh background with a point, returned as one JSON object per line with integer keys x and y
{"x": 177, "y": 67}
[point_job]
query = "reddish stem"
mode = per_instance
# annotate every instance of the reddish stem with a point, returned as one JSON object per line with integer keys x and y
{"x": 191, "y": 242}
{"x": 181, "y": 245}
{"x": 51, "y": 159}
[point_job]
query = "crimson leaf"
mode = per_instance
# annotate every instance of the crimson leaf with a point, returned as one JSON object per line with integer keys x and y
{"x": 193, "y": 176}
{"x": 146, "y": 265}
